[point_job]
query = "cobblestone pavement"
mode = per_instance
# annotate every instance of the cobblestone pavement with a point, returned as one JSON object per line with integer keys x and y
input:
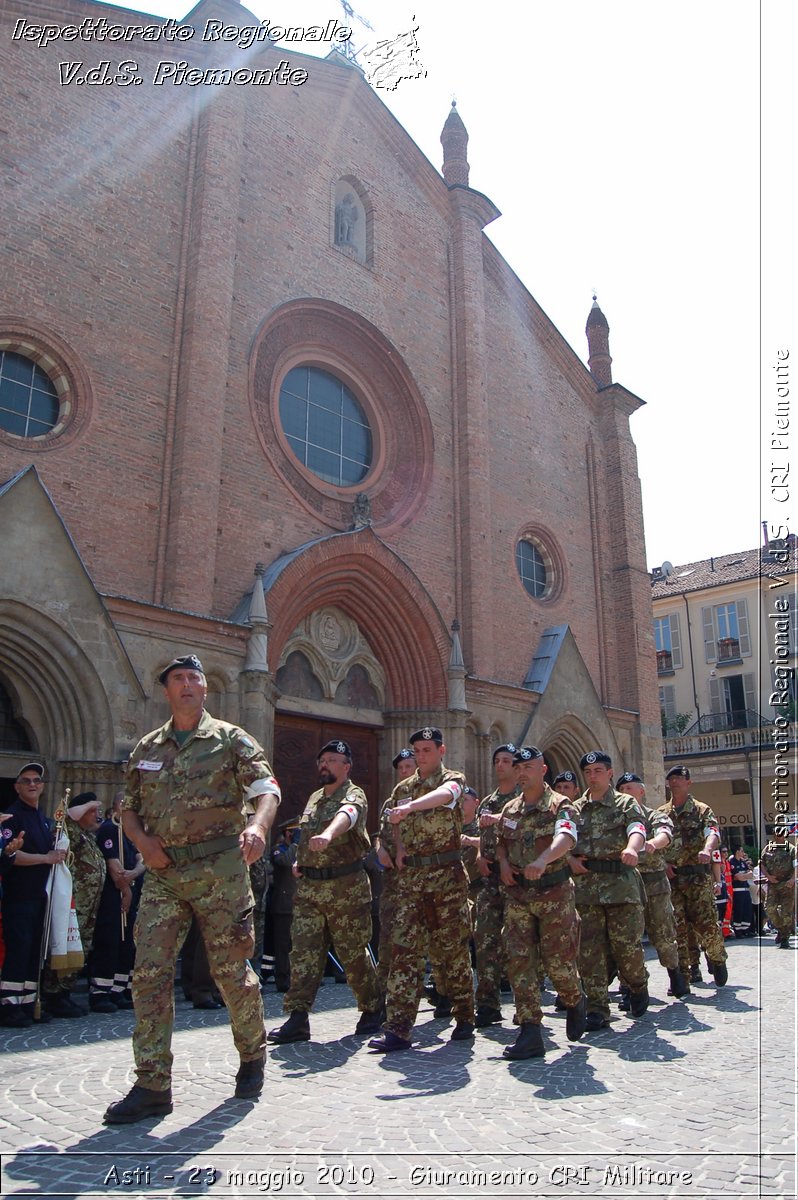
{"x": 695, "y": 1099}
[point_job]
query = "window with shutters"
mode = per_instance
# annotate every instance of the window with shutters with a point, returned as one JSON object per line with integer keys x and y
{"x": 667, "y": 705}
{"x": 726, "y": 636}
{"x": 668, "y": 644}
{"x": 732, "y": 702}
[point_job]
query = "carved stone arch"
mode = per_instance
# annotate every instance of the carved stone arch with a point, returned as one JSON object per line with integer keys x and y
{"x": 357, "y": 573}
{"x": 566, "y": 741}
{"x": 14, "y": 716}
{"x": 58, "y": 688}
{"x": 352, "y": 220}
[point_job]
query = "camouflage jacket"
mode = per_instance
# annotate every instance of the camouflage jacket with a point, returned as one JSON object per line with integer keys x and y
{"x": 320, "y": 810}
{"x": 656, "y": 821}
{"x": 692, "y": 824}
{"x": 603, "y": 828}
{"x": 526, "y": 830}
{"x": 437, "y": 829}
{"x": 194, "y": 792}
{"x": 86, "y": 863}
{"x": 488, "y": 837}
{"x": 779, "y": 861}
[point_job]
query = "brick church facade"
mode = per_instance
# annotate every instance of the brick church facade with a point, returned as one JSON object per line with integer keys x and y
{"x": 289, "y": 408}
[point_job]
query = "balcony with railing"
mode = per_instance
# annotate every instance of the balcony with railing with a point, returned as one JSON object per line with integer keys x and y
{"x": 716, "y": 733}
{"x": 729, "y": 650}
{"x": 664, "y": 662}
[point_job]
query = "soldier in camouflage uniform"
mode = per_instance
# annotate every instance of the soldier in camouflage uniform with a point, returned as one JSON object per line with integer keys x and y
{"x": 566, "y": 784}
{"x": 777, "y": 864}
{"x": 432, "y": 898}
{"x": 688, "y": 860}
{"x": 490, "y": 897}
{"x": 404, "y": 763}
{"x": 87, "y": 867}
{"x": 659, "y": 917}
{"x": 332, "y": 906}
{"x": 612, "y": 834}
{"x": 190, "y": 788}
{"x": 535, "y": 831}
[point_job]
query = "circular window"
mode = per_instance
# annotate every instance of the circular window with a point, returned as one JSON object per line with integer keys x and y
{"x": 325, "y": 426}
{"x": 29, "y": 402}
{"x": 531, "y": 568}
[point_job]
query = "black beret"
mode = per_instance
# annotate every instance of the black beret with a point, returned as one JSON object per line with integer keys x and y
{"x": 430, "y": 733}
{"x": 566, "y": 777}
{"x": 469, "y": 791}
{"x": 595, "y": 756}
{"x": 189, "y": 662}
{"x": 629, "y": 777}
{"x": 403, "y": 754}
{"x": 508, "y": 747}
{"x": 82, "y": 798}
{"x": 678, "y": 771}
{"x": 336, "y": 746}
{"x": 526, "y": 754}
{"x": 37, "y": 767}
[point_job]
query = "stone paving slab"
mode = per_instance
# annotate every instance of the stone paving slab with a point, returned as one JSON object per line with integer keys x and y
{"x": 695, "y": 1099}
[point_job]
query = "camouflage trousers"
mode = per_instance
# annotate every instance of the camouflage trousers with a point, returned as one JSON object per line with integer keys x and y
{"x": 432, "y": 904}
{"x": 332, "y": 913}
{"x": 694, "y": 906}
{"x": 780, "y": 907}
{"x": 387, "y": 911}
{"x": 611, "y": 936}
{"x": 216, "y": 890}
{"x": 659, "y": 918}
{"x": 541, "y": 925}
{"x": 490, "y": 915}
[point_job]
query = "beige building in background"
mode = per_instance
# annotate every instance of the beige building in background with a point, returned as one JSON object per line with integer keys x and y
{"x": 725, "y": 636}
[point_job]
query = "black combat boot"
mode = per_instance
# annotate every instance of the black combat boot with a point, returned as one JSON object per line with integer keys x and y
{"x": 575, "y": 1020}
{"x": 638, "y": 1002}
{"x": 295, "y": 1029}
{"x": 719, "y": 973}
{"x": 249, "y": 1078}
{"x": 528, "y": 1044}
{"x": 486, "y": 1015}
{"x": 140, "y": 1102}
{"x": 679, "y": 985}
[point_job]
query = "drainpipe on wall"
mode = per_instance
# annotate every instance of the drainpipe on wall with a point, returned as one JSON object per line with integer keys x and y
{"x": 692, "y": 660}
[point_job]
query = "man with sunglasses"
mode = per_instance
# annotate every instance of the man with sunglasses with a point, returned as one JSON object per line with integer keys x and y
{"x": 25, "y": 898}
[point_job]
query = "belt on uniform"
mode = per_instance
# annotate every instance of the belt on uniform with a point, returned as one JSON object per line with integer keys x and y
{"x": 606, "y": 866}
{"x": 545, "y": 881}
{"x": 331, "y": 872}
{"x": 432, "y": 860}
{"x": 698, "y": 869}
{"x": 652, "y": 875}
{"x": 181, "y": 854}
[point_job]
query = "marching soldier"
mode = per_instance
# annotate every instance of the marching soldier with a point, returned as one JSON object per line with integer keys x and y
{"x": 535, "y": 832}
{"x": 689, "y": 858}
{"x": 333, "y": 898}
{"x": 199, "y": 803}
{"x": 778, "y": 866}
{"x": 612, "y": 833}
{"x": 658, "y": 911}
{"x": 490, "y": 899}
{"x": 432, "y": 894}
{"x": 566, "y": 784}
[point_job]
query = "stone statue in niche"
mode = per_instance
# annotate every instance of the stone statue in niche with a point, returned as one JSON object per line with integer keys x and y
{"x": 361, "y": 511}
{"x": 346, "y": 215}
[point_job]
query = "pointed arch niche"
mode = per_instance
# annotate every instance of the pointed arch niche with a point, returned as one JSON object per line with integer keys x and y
{"x": 326, "y": 658}
{"x": 352, "y": 220}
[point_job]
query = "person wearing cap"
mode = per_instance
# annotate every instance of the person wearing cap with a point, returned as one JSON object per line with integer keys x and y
{"x": 566, "y": 784}
{"x": 25, "y": 898}
{"x": 332, "y": 906}
{"x": 688, "y": 862}
{"x": 490, "y": 896}
{"x": 87, "y": 867}
{"x": 200, "y": 798}
{"x": 536, "y": 831}
{"x": 658, "y": 909}
{"x": 612, "y": 833}
{"x": 390, "y": 855}
{"x": 778, "y": 866}
{"x": 432, "y": 894}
